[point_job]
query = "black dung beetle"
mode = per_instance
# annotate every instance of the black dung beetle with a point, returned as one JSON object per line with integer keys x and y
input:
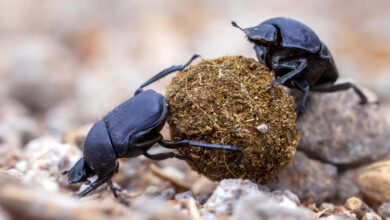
{"x": 129, "y": 130}
{"x": 298, "y": 57}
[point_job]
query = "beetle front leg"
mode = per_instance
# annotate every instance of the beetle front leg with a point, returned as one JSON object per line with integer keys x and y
{"x": 296, "y": 66}
{"x": 91, "y": 187}
{"x": 113, "y": 188}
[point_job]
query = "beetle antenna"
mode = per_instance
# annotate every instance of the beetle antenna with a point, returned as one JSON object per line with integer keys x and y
{"x": 236, "y": 25}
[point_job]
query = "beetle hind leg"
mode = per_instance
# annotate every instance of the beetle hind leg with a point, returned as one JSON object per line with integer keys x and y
{"x": 342, "y": 87}
{"x": 166, "y": 72}
{"x": 189, "y": 143}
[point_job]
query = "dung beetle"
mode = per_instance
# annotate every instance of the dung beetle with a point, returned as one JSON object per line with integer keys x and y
{"x": 130, "y": 130}
{"x": 298, "y": 57}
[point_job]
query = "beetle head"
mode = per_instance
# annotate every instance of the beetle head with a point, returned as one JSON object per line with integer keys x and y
{"x": 263, "y": 34}
{"x": 79, "y": 172}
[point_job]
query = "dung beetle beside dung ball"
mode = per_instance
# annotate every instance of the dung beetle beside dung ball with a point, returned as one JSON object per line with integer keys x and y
{"x": 298, "y": 57}
{"x": 130, "y": 130}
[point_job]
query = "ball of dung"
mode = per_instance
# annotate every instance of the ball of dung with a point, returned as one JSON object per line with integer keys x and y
{"x": 228, "y": 101}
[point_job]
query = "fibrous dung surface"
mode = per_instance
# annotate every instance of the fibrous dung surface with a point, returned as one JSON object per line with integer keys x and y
{"x": 225, "y": 101}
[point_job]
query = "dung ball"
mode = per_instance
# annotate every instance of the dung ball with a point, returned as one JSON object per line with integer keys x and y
{"x": 228, "y": 101}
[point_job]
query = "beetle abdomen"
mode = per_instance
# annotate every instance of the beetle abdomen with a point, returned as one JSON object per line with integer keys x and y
{"x": 142, "y": 112}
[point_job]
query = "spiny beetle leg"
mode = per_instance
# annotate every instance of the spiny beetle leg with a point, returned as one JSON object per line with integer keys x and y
{"x": 189, "y": 143}
{"x": 163, "y": 156}
{"x": 166, "y": 72}
{"x": 94, "y": 185}
{"x": 341, "y": 87}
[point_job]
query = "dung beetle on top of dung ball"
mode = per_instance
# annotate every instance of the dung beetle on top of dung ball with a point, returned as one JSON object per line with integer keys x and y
{"x": 298, "y": 57}
{"x": 130, "y": 130}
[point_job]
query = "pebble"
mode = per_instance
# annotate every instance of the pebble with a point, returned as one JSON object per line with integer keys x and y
{"x": 338, "y": 217}
{"x": 371, "y": 216}
{"x": 374, "y": 181}
{"x": 263, "y": 128}
{"x": 384, "y": 210}
{"x": 227, "y": 193}
{"x": 264, "y": 206}
{"x": 29, "y": 201}
{"x": 337, "y": 129}
{"x": 354, "y": 204}
{"x": 309, "y": 179}
{"x": 203, "y": 186}
{"x": 245, "y": 200}
{"x": 152, "y": 191}
{"x": 184, "y": 195}
{"x": 144, "y": 208}
{"x": 358, "y": 207}
{"x": 346, "y": 185}
{"x": 44, "y": 161}
{"x": 167, "y": 194}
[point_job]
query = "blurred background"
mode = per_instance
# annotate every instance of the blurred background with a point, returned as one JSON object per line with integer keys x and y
{"x": 66, "y": 63}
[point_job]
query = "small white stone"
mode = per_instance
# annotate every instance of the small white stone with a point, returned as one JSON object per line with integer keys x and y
{"x": 263, "y": 128}
{"x": 371, "y": 216}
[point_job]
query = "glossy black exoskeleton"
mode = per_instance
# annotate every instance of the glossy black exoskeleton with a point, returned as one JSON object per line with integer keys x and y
{"x": 298, "y": 57}
{"x": 129, "y": 130}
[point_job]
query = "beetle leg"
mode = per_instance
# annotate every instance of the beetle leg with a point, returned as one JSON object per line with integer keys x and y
{"x": 113, "y": 188}
{"x": 163, "y": 156}
{"x": 303, "y": 86}
{"x": 341, "y": 87}
{"x": 166, "y": 72}
{"x": 149, "y": 142}
{"x": 95, "y": 185}
{"x": 296, "y": 66}
{"x": 189, "y": 143}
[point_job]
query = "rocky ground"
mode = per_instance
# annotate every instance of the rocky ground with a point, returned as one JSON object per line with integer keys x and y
{"x": 340, "y": 171}
{"x": 63, "y": 66}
